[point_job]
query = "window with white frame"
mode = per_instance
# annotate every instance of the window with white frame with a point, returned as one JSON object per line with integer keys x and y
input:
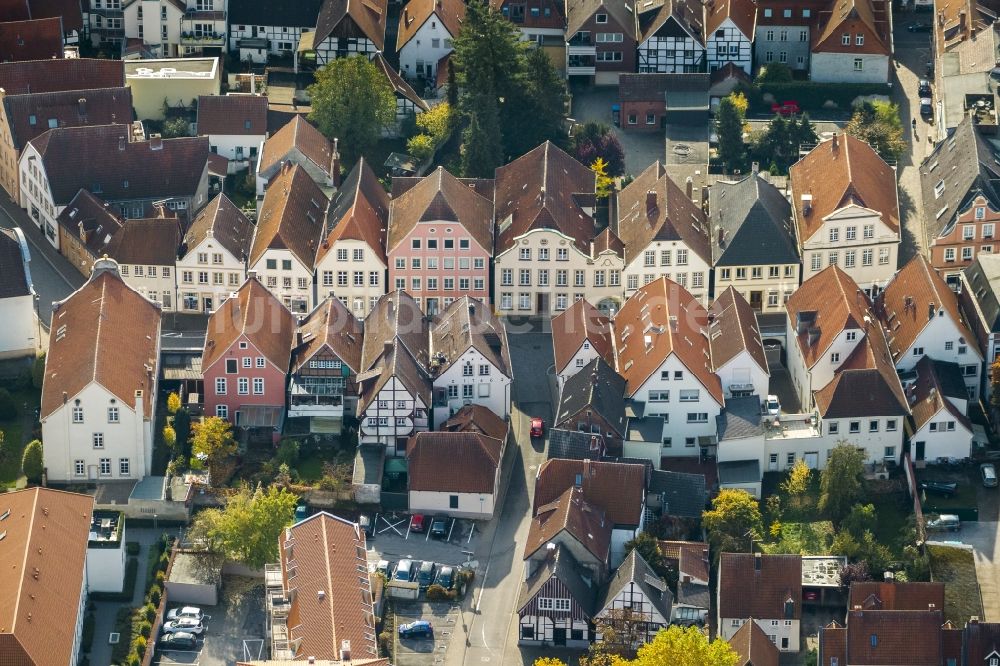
{"x": 220, "y": 386}
{"x": 258, "y": 385}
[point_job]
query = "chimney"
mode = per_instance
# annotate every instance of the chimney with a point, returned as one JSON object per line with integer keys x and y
{"x": 83, "y": 107}
{"x": 310, "y": 660}
{"x": 155, "y": 142}
{"x": 963, "y": 24}
{"x": 930, "y": 310}
{"x": 835, "y": 143}
{"x": 121, "y": 143}
{"x": 335, "y": 164}
{"x": 689, "y": 187}
{"x": 973, "y": 619}
{"x": 392, "y": 309}
{"x": 756, "y": 562}
{"x": 722, "y": 237}
{"x": 807, "y": 200}
{"x": 252, "y": 275}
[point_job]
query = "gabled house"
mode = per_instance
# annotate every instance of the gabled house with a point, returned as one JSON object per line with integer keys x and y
{"x": 579, "y": 335}
{"x": 664, "y": 353}
{"x": 729, "y": 33}
{"x": 592, "y": 401}
{"x": 671, "y": 37}
{"x": 131, "y": 175}
{"x": 854, "y": 43}
{"x": 477, "y": 419}
{"x": 939, "y": 402}
{"x": 33, "y": 39}
{"x": 979, "y": 285}
{"x": 753, "y": 242}
{"x": 408, "y": 102}
{"x": 236, "y": 126}
{"x": 578, "y": 526}
{"x": 575, "y": 445}
{"x": 69, "y": 11}
{"x": 665, "y": 234}
{"x": 540, "y": 21}
{"x": 617, "y": 489}
{"x": 98, "y": 407}
{"x": 394, "y": 384}
{"x": 25, "y": 116}
{"x": 753, "y": 646}
{"x": 349, "y": 27}
{"x": 432, "y": 488}
{"x": 556, "y": 603}
{"x": 547, "y": 252}
{"x": 600, "y": 40}
{"x": 469, "y": 360}
{"x": 737, "y": 351}
{"x": 172, "y": 30}
{"x": 676, "y": 494}
{"x": 439, "y": 241}
{"x": 427, "y": 29}
{"x": 45, "y": 76}
{"x": 350, "y": 261}
{"x": 693, "y": 599}
{"x": 289, "y": 224}
{"x": 921, "y": 317}
{"x": 893, "y": 596}
{"x": 325, "y": 362}
{"x": 764, "y": 589}
{"x": 245, "y": 364}
{"x": 300, "y": 143}
{"x": 846, "y": 211}
{"x": 19, "y": 335}
{"x": 634, "y": 593}
{"x": 211, "y": 263}
{"x": 262, "y": 28}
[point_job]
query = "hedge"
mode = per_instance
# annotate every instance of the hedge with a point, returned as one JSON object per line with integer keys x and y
{"x": 809, "y": 95}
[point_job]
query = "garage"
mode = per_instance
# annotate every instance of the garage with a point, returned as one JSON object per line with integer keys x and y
{"x": 194, "y": 580}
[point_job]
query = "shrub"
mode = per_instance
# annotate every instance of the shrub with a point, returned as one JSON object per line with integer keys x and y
{"x": 38, "y": 371}
{"x": 149, "y": 611}
{"x": 173, "y": 403}
{"x": 132, "y": 547}
{"x": 288, "y": 452}
{"x": 437, "y": 593}
{"x": 169, "y": 436}
{"x": 139, "y": 645}
{"x": 160, "y": 577}
{"x": 31, "y": 461}
{"x": 420, "y": 146}
{"x": 163, "y": 563}
{"x": 154, "y": 595}
{"x": 134, "y": 659}
{"x": 145, "y": 627}
{"x": 8, "y": 408}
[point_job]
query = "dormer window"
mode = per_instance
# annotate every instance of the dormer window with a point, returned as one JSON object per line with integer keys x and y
{"x": 246, "y": 124}
{"x": 32, "y": 120}
{"x": 601, "y": 18}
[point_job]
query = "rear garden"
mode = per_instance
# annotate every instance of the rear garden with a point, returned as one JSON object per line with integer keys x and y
{"x": 956, "y": 567}
{"x": 19, "y": 400}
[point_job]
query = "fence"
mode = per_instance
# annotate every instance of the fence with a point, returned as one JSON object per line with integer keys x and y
{"x": 911, "y": 486}
{"x": 154, "y": 633}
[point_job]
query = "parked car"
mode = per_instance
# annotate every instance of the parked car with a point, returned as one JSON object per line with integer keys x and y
{"x": 417, "y": 523}
{"x": 187, "y": 624}
{"x": 989, "y": 473}
{"x": 919, "y": 26}
{"x": 418, "y": 629}
{"x": 192, "y": 612}
{"x": 404, "y": 570}
{"x": 439, "y": 527}
{"x": 924, "y": 88}
{"x": 939, "y": 488}
{"x": 926, "y": 107}
{"x": 772, "y": 405}
{"x": 537, "y": 427}
{"x": 445, "y": 577}
{"x": 180, "y": 640}
{"x": 382, "y": 567}
{"x": 946, "y": 522}
{"x": 425, "y": 574}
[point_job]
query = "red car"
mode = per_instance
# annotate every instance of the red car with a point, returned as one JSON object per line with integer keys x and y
{"x": 537, "y": 427}
{"x": 417, "y": 523}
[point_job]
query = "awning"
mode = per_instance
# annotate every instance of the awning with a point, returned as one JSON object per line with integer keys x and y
{"x": 325, "y": 425}
{"x": 306, "y": 41}
{"x": 396, "y": 466}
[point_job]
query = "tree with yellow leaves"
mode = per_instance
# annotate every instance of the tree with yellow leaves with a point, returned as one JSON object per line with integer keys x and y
{"x": 676, "y": 646}
{"x": 604, "y": 184}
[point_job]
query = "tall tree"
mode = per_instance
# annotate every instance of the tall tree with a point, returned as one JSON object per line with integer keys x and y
{"x": 878, "y": 124}
{"x": 841, "y": 481}
{"x": 797, "y": 482}
{"x": 729, "y": 130}
{"x": 353, "y": 101}
{"x": 32, "y": 461}
{"x": 213, "y": 438}
{"x": 733, "y": 514}
{"x": 594, "y": 140}
{"x": 541, "y": 96}
{"x": 482, "y": 143}
{"x": 648, "y": 547}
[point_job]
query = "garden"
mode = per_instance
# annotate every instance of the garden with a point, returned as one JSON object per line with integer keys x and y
{"x": 956, "y": 567}
{"x": 18, "y": 425}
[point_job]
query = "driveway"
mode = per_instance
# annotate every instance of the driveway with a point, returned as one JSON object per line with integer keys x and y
{"x": 641, "y": 148}
{"x": 983, "y": 536}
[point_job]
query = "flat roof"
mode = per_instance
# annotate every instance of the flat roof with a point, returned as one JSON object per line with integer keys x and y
{"x": 645, "y": 429}
{"x": 739, "y": 471}
{"x": 194, "y": 568}
{"x": 822, "y": 570}
{"x": 172, "y": 68}
{"x": 106, "y": 527}
{"x": 150, "y": 488}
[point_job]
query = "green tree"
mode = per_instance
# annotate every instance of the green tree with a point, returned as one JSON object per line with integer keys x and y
{"x": 649, "y": 548}
{"x": 733, "y": 514}
{"x": 213, "y": 439}
{"x": 353, "y": 101}
{"x": 797, "y": 483}
{"x": 678, "y": 646}
{"x": 247, "y": 528}
{"x": 878, "y": 124}
{"x": 841, "y": 482}
{"x": 729, "y": 130}
{"x": 482, "y": 143}
{"x": 541, "y": 96}
{"x": 778, "y": 144}
{"x": 861, "y": 519}
{"x": 774, "y": 72}
{"x": 593, "y": 140}
{"x": 32, "y": 461}
{"x": 174, "y": 128}
{"x": 173, "y": 403}
{"x": 420, "y": 146}
{"x": 182, "y": 428}
{"x": 452, "y": 85}
{"x": 38, "y": 371}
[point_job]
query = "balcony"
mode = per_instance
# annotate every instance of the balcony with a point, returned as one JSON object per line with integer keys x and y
{"x": 108, "y": 12}
{"x": 581, "y": 45}
{"x": 576, "y": 70}
{"x": 203, "y": 39}
{"x": 791, "y": 426}
{"x": 203, "y": 15}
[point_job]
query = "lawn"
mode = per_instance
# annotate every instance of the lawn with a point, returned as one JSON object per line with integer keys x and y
{"x": 15, "y": 438}
{"x": 804, "y": 538}
{"x": 310, "y": 468}
{"x": 957, "y": 568}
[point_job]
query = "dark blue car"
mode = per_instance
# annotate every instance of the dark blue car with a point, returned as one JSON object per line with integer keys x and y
{"x": 418, "y": 629}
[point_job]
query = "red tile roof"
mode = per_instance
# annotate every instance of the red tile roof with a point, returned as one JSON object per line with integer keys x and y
{"x": 358, "y": 211}
{"x": 743, "y": 14}
{"x": 753, "y": 646}
{"x": 734, "y": 329}
{"x": 619, "y": 489}
{"x": 578, "y": 323}
{"x": 894, "y": 638}
{"x": 415, "y": 13}
{"x": 105, "y": 332}
{"x": 291, "y": 217}
{"x": 72, "y": 108}
{"x": 433, "y": 458}
{"x": 38, "y": 76}
{"x": 68, "y": 10}
{"x": 476, "y": 418}
{"x": 253, "y": 313}
{"x": 760, "y": 586}
{"x": 244, "y": 115}
{"x": 834, "y": 302}
{"x": 332, "y": 326}
{"x": 368, "y": 16}
{"x": 855, "y": 17}
{"x": 876, "y": 595}
{"x": 927, "y": 395}
{"x": 31, "y": 40}
{"x": 571, "y": 512}
{"x": 222, "y": 221}
{"x": 43, "y": 558}
{"x": 399, "y": 84}
{"x": 296, "y": 134}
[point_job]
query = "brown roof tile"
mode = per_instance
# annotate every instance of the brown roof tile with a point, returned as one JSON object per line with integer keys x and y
{"x": 291, "y": 217}
{"x": 578, "y": 323}
{"x": 833, "y": 643}
{"x": 91, "y": 221}
{"x": 742, "y": 12}
{"x": 733, "y": 329}
{"x": 570, "y": 511}
{"x": 544, "y": 189}
{"x": 103, "y": 106}
{"x": 915, "y": 296}
{"x": 68, "y": 10}
{"x": 745, "y": 591}
{"x": 857, "y": 17}
{"x": 693, "y": 560}
{"x": 840, "y": 172}
{"x": 14, "y": 10}
{"x": 110, "y": 335}
{"x": 398, "y": 83}
{"x": 369, "y": 16}
{"x": 894, "y": 638}
{"x": 476, "y": 418}
{"x": 469, "y": 324}
{"x": 927, "y": 396}
{"x": 415, "y": 13}
{"x": 256, "y": 314}
{"x": 753, "y": 646}
{"x": 834, "y": 302}
{"x": 441, "y": 196}
{"x": 433, "y": 457}
{"x": 617, "y": 488}
{"x": 244, "y": 115}
{"x": 608, "y": 241}
{"x": 876, "y": 595}
{"x": 43, "y": 558}
{"x": 31, "y": 40}
{"x": 333, "y": 601}
{"x": 151, "y": 242}
{"x": 39, "y": 76}
{"x": 297, "y": 133}
{"x": 358, "y": 211}
{"x": 653, "y": 208}
{"x": 981, "y": 639}
{"x": 397, "y": 315}
{"x": 330, "y": 325}
{"x": 224, "y": 222}
{"x": 673, "y": 322}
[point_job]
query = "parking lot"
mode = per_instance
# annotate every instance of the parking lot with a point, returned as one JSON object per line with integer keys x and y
{"x": 425, "y": 651}
{"x": 234, "y": 629}
{"x": 394, "y": 540}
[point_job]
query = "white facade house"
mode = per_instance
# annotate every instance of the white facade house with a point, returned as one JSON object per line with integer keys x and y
{"x": 940, "y": 405}
{"x": 236, "y": 127}
{"x": 98, "y": 424}
{"x": 579, "y": 335}
{"x": 157, "y": 24}
{"x": 19, "y": 334}
{"x": 761, "y": 588}
{"x": 670, "y": 42}
{"x": 637, "y": 590}
{"x": 393, "y": 413}
{"x": 426, "y": 32}
{"x": 471, "y": 494}
{"x": 106, "y": 552}
{"x": 737, "y": 351}
{"x": 844, "y": 218}
{"x": 726, "y": 41}
{"x": 347, "y": 28}
{"x": 213, "y": 264}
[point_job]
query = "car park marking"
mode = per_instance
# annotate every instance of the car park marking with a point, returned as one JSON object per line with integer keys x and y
{"x": 392, "y": 526}
{"x": 248, "y": 652}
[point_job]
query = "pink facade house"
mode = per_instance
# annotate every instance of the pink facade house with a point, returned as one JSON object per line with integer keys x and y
{"x": 245, "y": 362}
{"x": 440, "y": 240}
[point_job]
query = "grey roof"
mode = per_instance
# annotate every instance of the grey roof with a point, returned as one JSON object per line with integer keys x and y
{"x": 579, "y": 12}
{"x": 963, "y": 177}
{"x": 636, "y": 570}
{"x": 740, "y": 418}
{"x": 983, "y": 278}
{"x": 14, "y": 277}
{"x": 296, "y": 14}
{"x": 574, "y": 445}
{"x": 755, "y": 221}
{"x": 645, "y": 429}
{"x": 739, "y": 471}
{"x": 560, "y": 564}
{"x": 687, "y": 92}
{"x": 683, "y": 494}
{"x": 950, "y": 379}
{"x": 598, "y": 387}
{"x": 693, "y": 594}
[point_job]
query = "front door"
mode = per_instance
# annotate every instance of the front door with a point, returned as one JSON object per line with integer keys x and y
{"x": 206, "y": 304}
{"x": 756, "y": 300}
{"x": 92, "y": 472}
{"x": 920, "y": 450}
{"x": 559, "y": 637}
{"x": 772, "y": 463}
{"x": 253, "y": 31}
{"x": 542, "y": 305}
